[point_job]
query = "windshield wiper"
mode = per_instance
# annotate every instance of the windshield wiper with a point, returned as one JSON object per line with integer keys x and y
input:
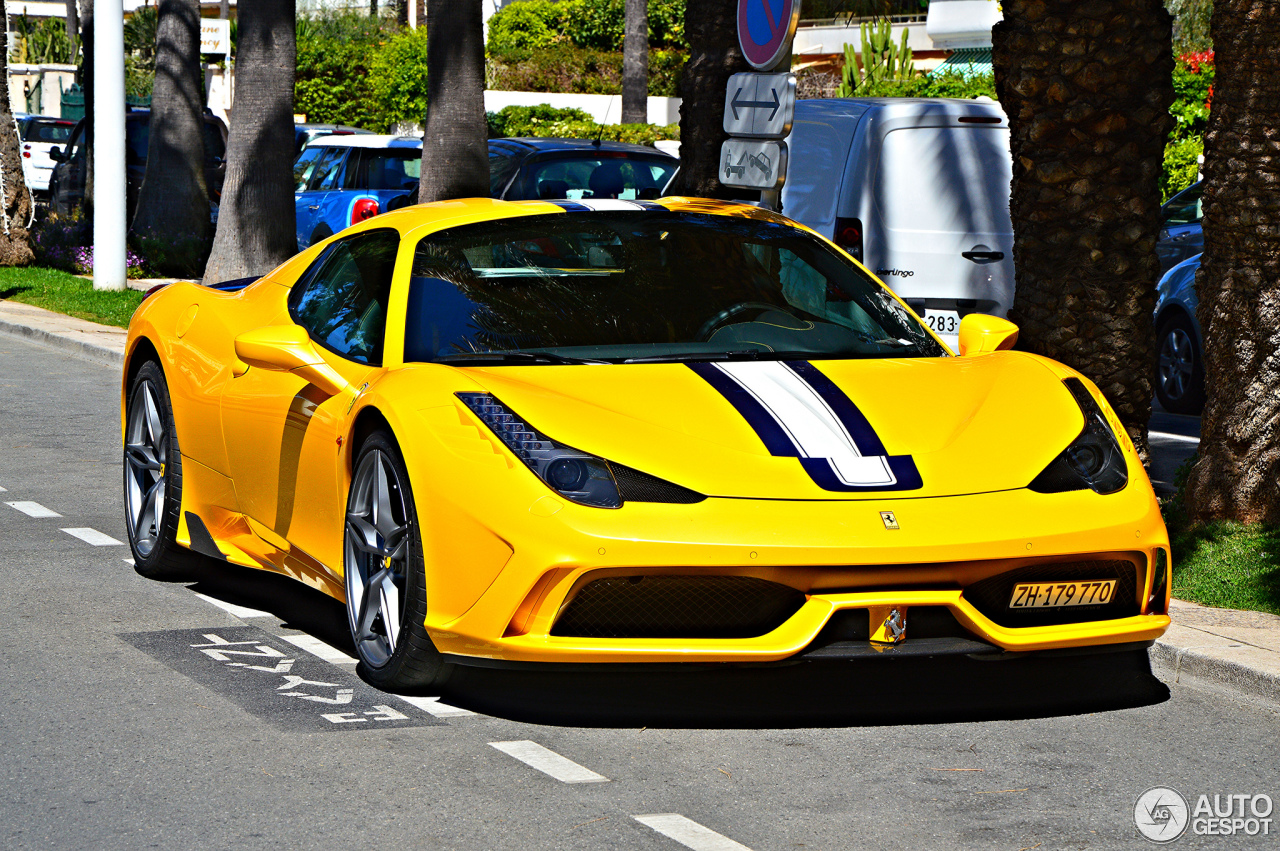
{"x": 483, "y": 358}
{"x": 733, "y": 355}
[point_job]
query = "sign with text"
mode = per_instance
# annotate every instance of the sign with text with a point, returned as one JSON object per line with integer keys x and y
{"x": 765, "y": 31}
{"x": 753, "y": 163}
{"x": 760, "y": 106}
{"x": 215, "y": 35}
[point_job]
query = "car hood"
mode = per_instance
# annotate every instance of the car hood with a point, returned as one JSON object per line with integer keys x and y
{"x": 846, "y": 429}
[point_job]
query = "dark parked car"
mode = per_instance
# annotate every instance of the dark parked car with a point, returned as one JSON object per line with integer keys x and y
{"x": 1180, "y": 233}
{"x": 341, "y": 180}
{"x": 1179, "y": 344}
{"x": 66, "y": 187}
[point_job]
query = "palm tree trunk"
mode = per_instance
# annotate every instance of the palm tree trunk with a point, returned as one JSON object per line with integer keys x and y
{"x": 256, "y": 216}
{"x": 712, "y": 30}
{"x": 455, "y": 157}
{"x": 173, "y": 203}
{"x": 15, "y": 201}
{"x": 1237, "y": 473}
{"x": 1087, "y": 88}
{"x": 635, "y": 63}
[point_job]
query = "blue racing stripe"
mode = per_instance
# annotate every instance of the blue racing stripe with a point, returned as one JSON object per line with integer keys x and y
{"x": 756, "y": 415}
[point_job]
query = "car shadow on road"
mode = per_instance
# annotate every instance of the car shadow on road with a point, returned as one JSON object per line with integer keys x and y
{"x": 815, "y": 694}
{"x": 872, "y": 692}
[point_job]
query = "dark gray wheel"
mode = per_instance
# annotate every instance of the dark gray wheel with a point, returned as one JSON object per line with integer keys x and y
{"x": 384, "y": 574}
{"x": 320, "y": 234}
{"x": 1180, "y": 370}
{"x": 153, "y": 480}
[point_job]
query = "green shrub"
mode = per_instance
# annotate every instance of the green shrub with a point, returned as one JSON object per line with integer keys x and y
{"x": 592, "y": 24}
{"x": 527, "y": 25}
{"x": 562, "y": 68}
{"x": 949, "y": 84}
{"x": 1181, "y": 165}
{"x": 335, "y": 53}
{"x": 1193, "y": 76}
{"x": 398, "y": 77}
{"x": 527, "y": 120}
{"x": 636, "y": 134}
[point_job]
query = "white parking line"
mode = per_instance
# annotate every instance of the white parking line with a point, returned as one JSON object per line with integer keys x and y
{"x": 433, "y": 706}
{"x": 316, "y": 647}
{"x": 33, "y": 509}
{"x": 1180, "y": 438}
{"x": 689, "y": 833}
{"x": 549, "y": 762}
{"x": 2, "y": 490}
{"x": 232, "y": 608}
{"x": 94, "y": 537}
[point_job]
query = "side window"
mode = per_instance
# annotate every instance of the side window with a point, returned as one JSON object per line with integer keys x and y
{"x": 343, "y": 305}
{"x": 304, "y": 166}
{"x": 1184, "y": 209}
{"x": 502, "y": 164}
{"x": 327, "y": 169}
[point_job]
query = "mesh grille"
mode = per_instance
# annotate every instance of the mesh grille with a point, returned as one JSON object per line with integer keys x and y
{"x": 991, "y": 596}
{"x": 635, "y": 486}
{"x": 677, "y": 607}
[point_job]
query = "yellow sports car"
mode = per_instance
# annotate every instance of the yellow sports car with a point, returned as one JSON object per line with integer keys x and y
{"x": 607, "y": 431}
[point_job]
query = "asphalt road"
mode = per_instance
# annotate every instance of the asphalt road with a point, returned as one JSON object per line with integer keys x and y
{"x": 221, "y": 714}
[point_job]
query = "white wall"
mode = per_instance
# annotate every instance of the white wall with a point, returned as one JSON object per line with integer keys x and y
{"x": 605, "y": 109}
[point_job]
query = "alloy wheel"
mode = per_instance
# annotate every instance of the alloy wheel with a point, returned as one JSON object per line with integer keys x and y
{"x": 1177, "y": 362}
{"x": 146, "y": 452}
{"x": 375, "y": 558}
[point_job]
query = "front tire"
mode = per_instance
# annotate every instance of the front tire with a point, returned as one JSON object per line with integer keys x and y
{"x": 385, "y": 575}
{"x": 1180, "y": 371}
{"x": 153, "y": 480}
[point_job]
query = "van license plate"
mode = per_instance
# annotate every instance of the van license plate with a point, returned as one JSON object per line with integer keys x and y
{"x": 944, "y": 323}
{"x": 1055, "y": 595}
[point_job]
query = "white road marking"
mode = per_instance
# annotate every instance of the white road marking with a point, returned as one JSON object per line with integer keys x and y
{"x": 433, "y": 706}
{"x": 33, "y": 509}
{"x": 232, "y": 608}
{"x": 127, "y": 560}
{"x": 316, "y": 647}
{"x": 2, "y": 490}
{"x": 1180, "y": 438}
{"x": 549, "y": 762}
{"x": 94, "y": 537}
{"x": 689, "y": 833}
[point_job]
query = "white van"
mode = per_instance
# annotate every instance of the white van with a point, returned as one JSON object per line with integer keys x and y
{"x": 915, "y": 188}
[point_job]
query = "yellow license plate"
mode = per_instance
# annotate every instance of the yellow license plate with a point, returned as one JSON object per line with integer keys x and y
{"x": 1055, "y": 595}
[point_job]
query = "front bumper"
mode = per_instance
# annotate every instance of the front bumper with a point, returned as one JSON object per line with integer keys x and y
{"x": 838, "y": 553}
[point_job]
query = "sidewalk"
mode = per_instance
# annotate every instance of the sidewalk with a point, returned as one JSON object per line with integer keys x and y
{"x": 1238, "y": 650}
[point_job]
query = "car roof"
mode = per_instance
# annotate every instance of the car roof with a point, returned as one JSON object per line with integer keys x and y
{"x": 365, "y": 140}
{"x": 531, "y": 144}
{"x": 893, "y": 107}
{"x": 344, "y": 127}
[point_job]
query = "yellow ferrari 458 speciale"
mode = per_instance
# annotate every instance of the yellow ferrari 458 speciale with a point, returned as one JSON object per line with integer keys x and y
{"x": 630, "y": 431}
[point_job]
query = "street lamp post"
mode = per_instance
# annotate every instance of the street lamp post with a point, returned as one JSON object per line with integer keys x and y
{"x": 109, "y": 181}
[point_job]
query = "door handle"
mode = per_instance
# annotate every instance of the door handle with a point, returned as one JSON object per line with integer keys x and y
{"x": 313, "y": 207}
{"x": 978, "y": 256}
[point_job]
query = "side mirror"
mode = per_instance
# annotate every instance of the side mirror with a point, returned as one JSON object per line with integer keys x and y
{"x": 981, "y": 334}
{"x": 286, "y": 348}
{"x": 55, "y": 154}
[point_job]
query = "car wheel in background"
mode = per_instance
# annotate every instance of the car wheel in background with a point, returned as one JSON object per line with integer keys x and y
{"x": 1180, "y": 367}
{"x": 153, "y": 480}
{"x": 384, "y": 574}
{"x": 320, "y": 234}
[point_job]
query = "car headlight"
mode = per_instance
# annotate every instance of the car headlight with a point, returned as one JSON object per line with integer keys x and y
{"x": 575, "y": 475}
{"x": 1093, "y": 460}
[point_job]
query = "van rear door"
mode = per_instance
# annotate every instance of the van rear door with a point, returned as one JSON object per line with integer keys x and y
{"x": 939, "y": 231}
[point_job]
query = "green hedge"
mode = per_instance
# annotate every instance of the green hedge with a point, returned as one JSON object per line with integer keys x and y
{"x": 549, "y": 122}
{"x": 563, "y": 68}
{"x": 335, "y": 54}
{"x": 528, "y": 120}
{"x": 398, "y": 78}
{"x": 594, "y": 24}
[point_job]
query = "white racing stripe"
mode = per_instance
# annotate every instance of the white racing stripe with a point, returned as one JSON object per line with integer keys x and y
{"x": 33, "y": 509}
{"x": 94, "y": 537}
{"x": 549, "y": 762}
{"x": 1180, "y": 438}
{"x": 433, "y": 706}
{"x": 232, "y": 608}
{"x": 809, "y": 421}
{"x": 689, "y": 833}
{"x": 316, "y": 647}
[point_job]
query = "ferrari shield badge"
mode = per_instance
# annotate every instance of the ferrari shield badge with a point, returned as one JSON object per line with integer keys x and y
{"x": 890, "y": 522}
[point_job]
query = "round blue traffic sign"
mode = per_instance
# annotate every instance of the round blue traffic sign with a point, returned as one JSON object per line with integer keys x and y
{"x": 765, "y": 30}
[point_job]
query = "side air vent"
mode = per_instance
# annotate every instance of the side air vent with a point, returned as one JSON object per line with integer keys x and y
{"x": 677, "y": 607}
{"x": 635, "y": 486}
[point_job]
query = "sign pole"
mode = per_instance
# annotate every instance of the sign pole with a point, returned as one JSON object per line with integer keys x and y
{"x": 110, "y": 269}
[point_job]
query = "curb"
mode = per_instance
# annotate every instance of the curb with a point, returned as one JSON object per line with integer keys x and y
{"x": 1207, "y": 666}
{"x": 77, "y": 348}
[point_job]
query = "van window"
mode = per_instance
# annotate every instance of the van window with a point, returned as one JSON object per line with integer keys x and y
{"x": 945, "y": 179}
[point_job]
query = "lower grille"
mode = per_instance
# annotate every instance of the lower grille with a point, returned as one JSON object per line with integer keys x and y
{"x": 677, "y": 607}
{"x": 991, "y": 596}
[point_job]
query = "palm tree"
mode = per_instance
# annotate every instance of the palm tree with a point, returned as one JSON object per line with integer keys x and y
{"x": 1237, "y": 473}
{"x": 15, "y": 200}
{"x": 455, "y": 156}
{"x": 711, "y": 27}
{"x": 635, "y": 63}
{"x": 1087, "y": 88}
{"x": 256, "y": 215}
{"x": 173, "y": 203}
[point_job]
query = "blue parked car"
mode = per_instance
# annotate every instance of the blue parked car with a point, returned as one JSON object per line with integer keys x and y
{"x": 1181, "y": 233}
{"x": 341, "y": 180}
{"x": 1179, "y": 344}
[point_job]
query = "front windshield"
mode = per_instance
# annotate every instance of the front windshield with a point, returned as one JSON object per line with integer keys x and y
{"x": 646, "y": 285}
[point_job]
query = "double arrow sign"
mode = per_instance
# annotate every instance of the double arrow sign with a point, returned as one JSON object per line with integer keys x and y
{"x": 736, "y": 104}
{"x": 758, "y": 110}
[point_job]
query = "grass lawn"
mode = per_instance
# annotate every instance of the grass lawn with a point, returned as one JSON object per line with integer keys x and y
{"x": 65, "y": 293}
{"x": 1228, "y": 565}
